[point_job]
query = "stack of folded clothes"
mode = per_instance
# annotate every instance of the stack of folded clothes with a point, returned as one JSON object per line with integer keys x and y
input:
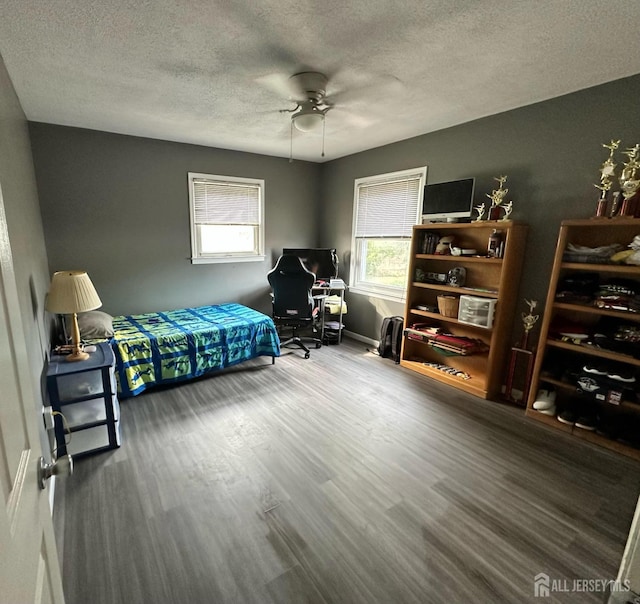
{"x": 618, "y": 294}
{"x": 592, "y": 255}
{"x": 577, "y": 288}
{"x": 630, "y": 256}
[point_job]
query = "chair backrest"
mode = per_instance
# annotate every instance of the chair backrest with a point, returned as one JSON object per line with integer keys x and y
{"x": 291, "y": 283}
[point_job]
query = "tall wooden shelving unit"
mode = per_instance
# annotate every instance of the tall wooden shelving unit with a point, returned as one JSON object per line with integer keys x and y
{"x": 588, "y": 233}
{"x": 493, "y": 278}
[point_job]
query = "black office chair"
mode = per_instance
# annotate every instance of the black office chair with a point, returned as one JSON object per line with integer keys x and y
{"x": 293, "y": 304}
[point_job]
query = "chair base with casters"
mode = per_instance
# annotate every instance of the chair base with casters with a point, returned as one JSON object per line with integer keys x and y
{"x": 299, "y": 341}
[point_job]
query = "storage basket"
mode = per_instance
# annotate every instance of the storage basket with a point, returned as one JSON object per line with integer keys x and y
{"x": 448, "y": 306}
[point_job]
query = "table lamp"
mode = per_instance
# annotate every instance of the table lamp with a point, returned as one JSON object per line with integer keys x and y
{"x": 72, "y": 292}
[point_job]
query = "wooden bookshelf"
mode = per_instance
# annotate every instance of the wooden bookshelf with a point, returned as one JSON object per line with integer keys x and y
{"x": 490, "y": 278}
{"x": 588, "y": 233}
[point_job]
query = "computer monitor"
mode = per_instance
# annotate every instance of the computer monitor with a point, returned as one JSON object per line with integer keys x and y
{"x": 448, "y": 201}
{"x": 322, "y": 262}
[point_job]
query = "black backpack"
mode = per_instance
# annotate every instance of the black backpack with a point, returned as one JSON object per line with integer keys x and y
{"x": 391, "y": 338}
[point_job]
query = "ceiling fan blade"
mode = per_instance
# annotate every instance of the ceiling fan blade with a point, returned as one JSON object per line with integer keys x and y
{"x": 375, "y": 86}
{"x": 282, "y": 85}
{"x": 343, "y": 117}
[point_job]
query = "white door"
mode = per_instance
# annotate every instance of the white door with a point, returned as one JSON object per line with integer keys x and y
{"x": 29, "y": 570}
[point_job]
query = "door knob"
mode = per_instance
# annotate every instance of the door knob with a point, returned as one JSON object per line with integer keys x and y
{"x": 63, "y": 466}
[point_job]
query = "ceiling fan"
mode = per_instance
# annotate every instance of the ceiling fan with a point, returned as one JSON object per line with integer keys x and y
{"x": 308, "y": 91}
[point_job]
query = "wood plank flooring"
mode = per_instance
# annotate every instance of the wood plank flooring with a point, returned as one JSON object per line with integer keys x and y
{"x": 339, "y": 479}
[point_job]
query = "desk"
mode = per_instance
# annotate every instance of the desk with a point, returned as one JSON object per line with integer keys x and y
{"x": 320, "y": 291}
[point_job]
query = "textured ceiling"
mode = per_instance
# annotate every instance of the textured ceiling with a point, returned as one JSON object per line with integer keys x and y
{"x": 206, "y": 72}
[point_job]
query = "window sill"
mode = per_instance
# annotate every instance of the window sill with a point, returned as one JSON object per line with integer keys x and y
{"x": 400, "y": 298}
{"x": 227, "y": 259}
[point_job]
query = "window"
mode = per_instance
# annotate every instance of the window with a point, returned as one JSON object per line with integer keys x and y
{"x": 226, "y": 216}
{"x": 385, "y": 208}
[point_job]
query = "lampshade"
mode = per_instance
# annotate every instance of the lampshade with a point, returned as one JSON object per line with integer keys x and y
{"x": 308, "y": 119}
{"x": 71, "y": 292}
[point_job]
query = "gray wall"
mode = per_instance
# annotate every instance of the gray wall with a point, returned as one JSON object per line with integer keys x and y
{"x": 19, "y": 191}
{"x": 118, "y": 207}
{"x": 17, "y": 180}
{"x": 551, "y": 152}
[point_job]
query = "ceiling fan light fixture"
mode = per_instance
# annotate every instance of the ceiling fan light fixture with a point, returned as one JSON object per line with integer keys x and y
{"x": 308, "y": 119}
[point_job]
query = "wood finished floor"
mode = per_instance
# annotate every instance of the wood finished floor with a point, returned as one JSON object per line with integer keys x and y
{"x": 339, "y": 479}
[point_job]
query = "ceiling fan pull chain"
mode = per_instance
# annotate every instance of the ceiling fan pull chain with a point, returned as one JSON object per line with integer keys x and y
{"x": 324, "y": 122}
{"x": 291, "y": 143}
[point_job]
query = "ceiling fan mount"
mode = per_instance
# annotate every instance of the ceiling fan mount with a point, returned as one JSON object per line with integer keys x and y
{"x": 309, "y": 89}
{"x": 308, "y": 85}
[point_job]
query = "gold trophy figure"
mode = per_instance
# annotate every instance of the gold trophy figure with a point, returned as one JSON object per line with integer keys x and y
{"x": 480, "y": 209}
{"x": 508, "y": 208}
{"x": 497, "y": 198}
{"x": 521, "y": 355}
{"x": 629, "y": 181}
{"x": 607, "y": 172}
{"x": 529, "y": 320}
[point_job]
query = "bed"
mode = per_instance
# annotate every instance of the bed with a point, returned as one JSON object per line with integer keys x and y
{"x": 172, "y": 346}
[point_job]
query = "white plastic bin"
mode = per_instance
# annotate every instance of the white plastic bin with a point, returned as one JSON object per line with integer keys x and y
{"x": 477, "y": 311}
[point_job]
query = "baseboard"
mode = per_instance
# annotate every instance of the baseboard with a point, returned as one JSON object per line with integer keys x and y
{"x": 360, "y": 338}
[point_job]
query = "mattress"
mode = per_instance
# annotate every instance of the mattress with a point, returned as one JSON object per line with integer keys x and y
{"x": 172, "y": 346}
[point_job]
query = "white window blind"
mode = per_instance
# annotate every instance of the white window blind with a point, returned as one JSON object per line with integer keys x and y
{"x": 385, "y": 209}
{"x": 227, "y": 218}
{"x": 226, "y": 202}
{"x": 388, "y": 208}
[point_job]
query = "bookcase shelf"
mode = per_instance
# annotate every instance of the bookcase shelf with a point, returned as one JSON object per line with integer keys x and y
{"x": 459, "y": 259}
{"x": 601, "y": 312}
{"x": 443, "y": 319}
{"x": 472, "y": 291}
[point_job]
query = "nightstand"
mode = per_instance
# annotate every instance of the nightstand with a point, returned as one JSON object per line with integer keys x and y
{"x": 84, "y": 400}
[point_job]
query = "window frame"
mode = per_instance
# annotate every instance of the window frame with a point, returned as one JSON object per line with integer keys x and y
{"x": 387, "y": 292}
{"x": 197, "y": 257}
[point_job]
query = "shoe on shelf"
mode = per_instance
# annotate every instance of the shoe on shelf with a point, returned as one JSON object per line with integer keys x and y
{"x": 545, "y": 399}
{"x": 595, "y": 369}
{"x": 567, "y": 417}
{"x": 548, "y": 410}
{"x": 586, "y": 422}
{"x": 622, "y": 375}
{"x": 588, "y": 384}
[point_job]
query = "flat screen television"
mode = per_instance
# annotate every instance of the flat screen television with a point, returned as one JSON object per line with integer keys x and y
{"x": 448, "y": 201}
{"x": 322, "y": 262}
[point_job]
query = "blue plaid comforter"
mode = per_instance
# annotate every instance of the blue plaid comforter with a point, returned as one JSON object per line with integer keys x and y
{"x": 166, "y": 347}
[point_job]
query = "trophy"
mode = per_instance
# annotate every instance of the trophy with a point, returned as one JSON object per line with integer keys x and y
{"x": 522, "y": 358}
{"x": 497, "y": 198}
{"x": 606, "y": 175}
{"x": 529, "y": 320}
{"x": 480, "y": 209}
{"x": 629, "y": 182}
{"x": 507, "y": 208}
